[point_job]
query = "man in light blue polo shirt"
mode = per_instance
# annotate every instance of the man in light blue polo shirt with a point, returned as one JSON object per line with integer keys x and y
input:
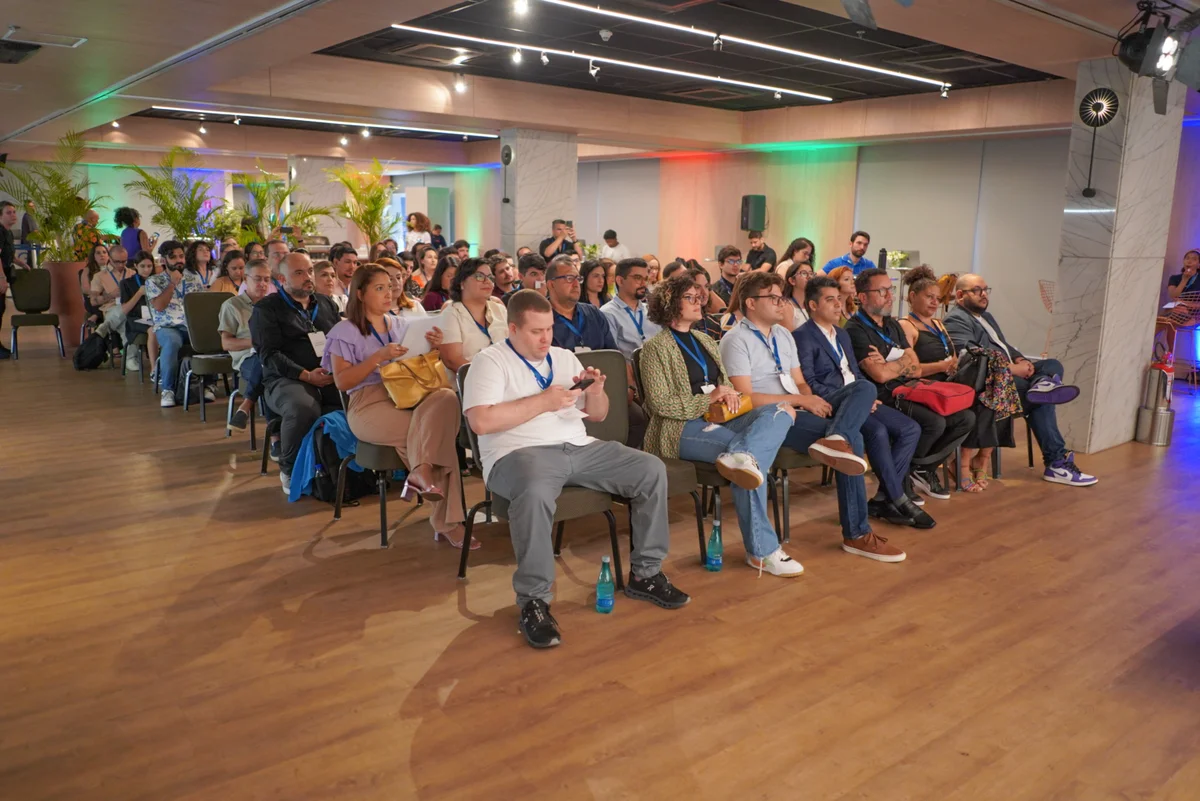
{"x": 859, "y": 242}
{"x": 626, "y": 312}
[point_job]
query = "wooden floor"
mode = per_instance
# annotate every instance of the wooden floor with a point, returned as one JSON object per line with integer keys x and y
{"x": 172, "y": 629}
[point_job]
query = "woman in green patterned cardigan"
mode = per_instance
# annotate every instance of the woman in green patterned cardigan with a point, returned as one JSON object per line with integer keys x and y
{"x": 683, "y": 378}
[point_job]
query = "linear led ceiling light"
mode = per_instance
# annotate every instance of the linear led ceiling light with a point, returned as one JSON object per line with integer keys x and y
{"x": 320, "y": 120}
{"x": 716, "y": 37}
{"x": 613, "y": 61}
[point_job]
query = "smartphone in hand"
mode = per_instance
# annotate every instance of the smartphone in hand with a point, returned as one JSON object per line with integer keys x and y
{"x": 584, "y": 384}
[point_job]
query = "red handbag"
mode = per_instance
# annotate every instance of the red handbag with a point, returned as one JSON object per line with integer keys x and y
{"x": 942, "y": 397}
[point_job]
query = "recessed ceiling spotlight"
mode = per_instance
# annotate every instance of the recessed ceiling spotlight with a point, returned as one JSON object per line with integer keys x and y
{"x": 779, "y": 95}
{"x": 203, "y": 130}
{"x": 343, "y": 141}
{"x": 366, "y": 133}
{"x": 465, "y": 137}
{"x": 516, "y": 56}
{"x": 605, "y": 34}
{"x": 116, "y": 124}
{"x": 945, "y": 90}
{"x": 460, "y": 84}
{"x": 593, "y": 70}
{"x": 237, "y": 120}
{"x": 520, "y": 7}
{"x": 718, "y": 43}
{"x": 383, "y": 126}
{"x": 545, "y": 59}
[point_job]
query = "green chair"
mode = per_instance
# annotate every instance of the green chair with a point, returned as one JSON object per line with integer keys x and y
{"x": 573, "y": 503}
{"x": 201, "y": 312}
{"x": 31, "y": 296}
{"x": 681, "y": 474}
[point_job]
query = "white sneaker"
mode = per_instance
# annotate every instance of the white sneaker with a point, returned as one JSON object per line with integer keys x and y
{"x": 777, "y": 564}
{"x": 209, "y": 395}
{"x": 286, "y": 481}
{"x": 168, "y": 399}
{"x": 740, "y": 469}
{"x": 133, "y": 363}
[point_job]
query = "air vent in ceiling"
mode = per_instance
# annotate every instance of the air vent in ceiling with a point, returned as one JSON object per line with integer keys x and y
{"x": 708, "y": 94}
{"x": 949, "y": 62}
{"x": 16, "y": 52}
{"x": 436, "y": 54}
{"x": 16, "y": 33}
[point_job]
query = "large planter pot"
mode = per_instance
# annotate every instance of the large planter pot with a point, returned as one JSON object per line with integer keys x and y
{"x": 66, "y": 298}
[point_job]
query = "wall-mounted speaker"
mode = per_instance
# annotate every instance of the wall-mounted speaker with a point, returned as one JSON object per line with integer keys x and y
{"x": 754, "y": 212}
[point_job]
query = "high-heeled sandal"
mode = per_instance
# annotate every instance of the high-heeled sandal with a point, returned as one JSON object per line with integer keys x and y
{"x": 979, "y": 478}
{"x": 475, "y": 544}
{"x": 411, "y": 490}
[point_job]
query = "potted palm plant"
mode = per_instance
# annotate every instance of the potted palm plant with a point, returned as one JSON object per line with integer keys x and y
{"x": 368, "y": 201}
{"x": 181, "y": 200}
{"x": 60, "y": 191}
{"x": 273, "y": 207}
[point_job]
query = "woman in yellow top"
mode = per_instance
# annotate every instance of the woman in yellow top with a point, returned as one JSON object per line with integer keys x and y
{"x": 231, "y": 273}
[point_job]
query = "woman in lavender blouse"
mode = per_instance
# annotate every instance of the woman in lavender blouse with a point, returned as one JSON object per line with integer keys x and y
{"x": 425, "y": 436}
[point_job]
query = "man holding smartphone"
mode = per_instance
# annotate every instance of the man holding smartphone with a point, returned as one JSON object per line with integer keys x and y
{"x": 562, "y": 242}
{"x": 288, "y": 331}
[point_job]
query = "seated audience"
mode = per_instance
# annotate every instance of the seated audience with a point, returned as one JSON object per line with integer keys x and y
{"x": 1188, "y": 279}
{"x": 198, "y": 260}
{"x": 522, "y": 251}
{"x": 856, "y": 259}
{"x": 711, "y": 306}
{"x": 437, "y": 291}
{"x": 844, "y": 276}
{"x": 231, "y": 273}
{"x": 403, "y": 304}
{"x": 1183, "y": 290}
{"x": 504, "y": 272}
{"x": 532, "y": 269}
{"x": 462, "y": 250}
{"x": 653, "y": 268}
{"x": 288, "y": 331}
{"x": 593, "y": 280}
{"x": 379, "y": 251}
{"x": 532, "y": 442}
{"x": 426, "y": 259}
{"x": 106, "y": 294}
{"x": 344, "y": 259}
{"x": 394, "y": 247}
{"x": 760, "y": 256}
{"x": 729, "y": 263}
{"x": 886, "y": 357}
{"x": 325, "y": 281}
{"x": 610, "y": 277}
{"x": 671, "y": 268}
{"x": 423, "y": 436}
{"x": 234, "y": 325}
{"x": 683, "y": 379}
{"x": 164, "y": 294}
{"x": 475, "y": 320}
{"x": 760, "y": 358}
{"x": 97, "y": 262}
{"x": 254, "y": 250}
{"x": 795, "y": 280}
{"x": 1039, "y": 383}
{"x": 801, "y": 250}
{"x": 626, "y": 312}
{"x": 133, "y": 306}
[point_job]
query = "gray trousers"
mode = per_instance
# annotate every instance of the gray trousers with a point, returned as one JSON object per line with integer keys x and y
{"x": 300, "y": 405}
{"x": 532, "y": 478}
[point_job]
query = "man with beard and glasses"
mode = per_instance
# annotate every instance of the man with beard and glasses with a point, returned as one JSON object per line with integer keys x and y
{"x": 288, "y": 331}
{"x": 1039, "y": 383}
{"x": 164, "y": 295}
{"x": 856, "y": 258}
{"x": 626, "y": 312}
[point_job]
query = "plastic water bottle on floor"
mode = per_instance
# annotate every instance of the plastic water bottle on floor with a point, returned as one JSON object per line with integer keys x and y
{"x": 604, "y": 588}
{"x": 715, "y": 557}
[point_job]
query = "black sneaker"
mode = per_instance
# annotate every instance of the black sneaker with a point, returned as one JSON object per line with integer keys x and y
{"x": 274, "y": 451}
{"x": 912, "y": 494}
{"x": 538, "y": 625}
{"x": 657, "y": 590}
{"x": 917, "y": 518}
{"x": 928, "y": 482}
{"x": 239, "y": 420}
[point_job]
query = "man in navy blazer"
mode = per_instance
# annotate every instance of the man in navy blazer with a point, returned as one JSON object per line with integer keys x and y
{"x": 1039, "y": 383}
{"x": 889, "y": 436}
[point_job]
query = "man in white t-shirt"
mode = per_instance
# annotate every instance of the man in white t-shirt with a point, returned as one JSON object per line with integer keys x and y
{"x": 519, "y": 398}
{"x": 613, "y": 249}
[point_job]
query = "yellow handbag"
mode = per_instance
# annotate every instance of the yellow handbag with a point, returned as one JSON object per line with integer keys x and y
{"x": 722, "y": 413}
{"x": 408, "y": 381}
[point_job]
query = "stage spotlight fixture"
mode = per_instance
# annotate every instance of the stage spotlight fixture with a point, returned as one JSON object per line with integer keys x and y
{"x": 516, "y": 56}
{"x": 343, "y": 141}
{"x": 460, "y": 84}
{"x": 366, "y": 133}
{"x": 521, "y": 7}
{"x": 545, "y": 59}
{"x": 605, "y": 34}
{"x": 593, "y": 70}
{"x": 116, "y": 124}
{"x": 718, "y": 43}
{"x": 945, "y": 91}
{"x": 237, "y": 120}
{"x": 779, "y": 95}
{"x": 203, "y": 130}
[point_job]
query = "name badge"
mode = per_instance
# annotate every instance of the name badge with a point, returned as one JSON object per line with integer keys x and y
{"x": 894, "y": 354}
{"x": 317, "y": 340}
{"x": 708, "y": 389}
{"x": 582, "y": 349}
{"x": 789, "y": 384}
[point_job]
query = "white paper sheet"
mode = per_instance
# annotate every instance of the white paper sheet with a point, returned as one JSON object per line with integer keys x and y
{"x": 414, "y": 334}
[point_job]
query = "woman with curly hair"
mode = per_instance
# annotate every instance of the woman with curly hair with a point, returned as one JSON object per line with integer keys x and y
{"x": 684, "y": 381}
{"x": 198, "y": 259}
{"x": 133, "y": 238}
{"x": 418, "y": 231}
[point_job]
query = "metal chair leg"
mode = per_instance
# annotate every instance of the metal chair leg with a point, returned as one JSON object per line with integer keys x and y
{"x": 704, "y": 501}
{"x": 773, "y": 497}
{"x": 383, "y": 532}
{"x": 187, "y": 389}
{"x": 616, "y": 548}
{"x": 229, "y": 414}
{"x": 203, "y": 403}
{"x": 253, "y": 435}
{"x": 787, "y": 506}
{"x": 558, "y": 535}
{"x": 12, "y": 343}
{"x": 629, "y": 511}
{"x": 467, "y": 526}
{"x": 341, "y": 487}
{"x": 62, "y": 352}
{"x": 487, "y": 496}
{"x": 996, "y": 462}
{"x": 717, "y": 507}
{"x": 700, "y": 525}
{"x": 225, "y": 381}
{"x": 1029, "y": 440}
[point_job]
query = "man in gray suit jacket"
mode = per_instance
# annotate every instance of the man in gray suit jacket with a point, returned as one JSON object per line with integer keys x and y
{"x": 1038, "y": 382}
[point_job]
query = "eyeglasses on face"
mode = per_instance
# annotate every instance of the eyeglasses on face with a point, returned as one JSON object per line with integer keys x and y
{"x": 637, "y": 279}
{"x": 882, "y": 291}
{"x": 483, "y": 278}
{"x": 805, "y": 273}
{"x": 733, "y": 262}
{"x": 979, "y": 290}
{"x": 119, "y": 261}
{"x": 570, "y": 279}
{"x": 693, "y": 298}
{"x": 776, "y": 299}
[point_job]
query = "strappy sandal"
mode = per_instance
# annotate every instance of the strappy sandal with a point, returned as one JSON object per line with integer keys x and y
{"x": 445, "y": 535}
{"x": 978, "y": 481}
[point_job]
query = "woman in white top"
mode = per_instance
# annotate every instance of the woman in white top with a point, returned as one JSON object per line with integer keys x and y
{"x": 801, "y": 250}
{"x": 418, "y": 231}
{"x": 474, "y": 319}
{"x": 794, "y": 314}
{"x": 402, "y": 304}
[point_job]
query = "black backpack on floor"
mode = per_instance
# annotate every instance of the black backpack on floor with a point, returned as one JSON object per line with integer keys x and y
{"x": 91, "y": 353}
{"x": 324, "y": 483}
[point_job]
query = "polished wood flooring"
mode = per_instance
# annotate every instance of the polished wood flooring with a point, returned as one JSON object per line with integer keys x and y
{"x": 172, "y": 629}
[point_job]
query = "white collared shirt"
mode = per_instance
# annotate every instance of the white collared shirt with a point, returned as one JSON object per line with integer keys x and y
{"x": 848, "y": 376}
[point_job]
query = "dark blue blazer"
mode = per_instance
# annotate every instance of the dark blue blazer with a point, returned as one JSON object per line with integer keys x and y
{"x": 819, "y": 361}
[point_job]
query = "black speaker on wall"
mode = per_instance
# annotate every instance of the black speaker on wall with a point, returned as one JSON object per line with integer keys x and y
{"x": 754, "y": 212}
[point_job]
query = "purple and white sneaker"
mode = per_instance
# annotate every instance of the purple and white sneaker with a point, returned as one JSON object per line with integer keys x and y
{"x": 1064, "y": 471}
{"x": 1051, "y": 390}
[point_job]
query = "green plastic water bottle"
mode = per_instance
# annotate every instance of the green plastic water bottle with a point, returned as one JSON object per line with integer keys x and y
{"x": 715, "y": 556}
{"x": 605, "y": 592}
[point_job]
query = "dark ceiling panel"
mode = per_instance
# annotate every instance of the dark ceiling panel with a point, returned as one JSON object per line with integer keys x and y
{"x": 770, "y": 21}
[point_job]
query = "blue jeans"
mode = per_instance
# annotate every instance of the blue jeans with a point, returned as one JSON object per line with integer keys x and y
{"x": 758, "y": 433}
{"x": 1041, "y": 417}
{"x": 851, "y": 407}
{"x": 171, "y": 340}
{"x": 890, "y": 438}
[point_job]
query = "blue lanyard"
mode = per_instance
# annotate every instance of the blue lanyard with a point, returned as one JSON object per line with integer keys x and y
{"x": 936, "y": 331}
{"x": 638, "y": 322}
{"x": 697, "y": 355}
{"x": 208, "y": 273}
{"x": 137, "y": 277}
{"x": 1188, "y": 285}
{"x": 483, "y": 330}
{"x": 578, "y": 332}
{"x": 116, "y": 280}
{"x": 387, "y": 329}
{"x": 773, "y": 346}
{"x": 543, "y": 382}
{"x": 837, "y": 343}
{"x": 871, "y": 324}
{"x": 312, "y": 318}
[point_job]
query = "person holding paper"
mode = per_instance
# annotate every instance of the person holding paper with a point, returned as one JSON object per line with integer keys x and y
{"x": 424, "y": 436}
{"x": 288, "y": 331}
{"x": 133, "y": 304}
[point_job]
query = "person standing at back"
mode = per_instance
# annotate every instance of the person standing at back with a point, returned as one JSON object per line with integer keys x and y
{"x": 133, "y": 238}
{"x": 562, "y": 241}
{"x": 613, "y": 249}
{"x": 856, "y": 259}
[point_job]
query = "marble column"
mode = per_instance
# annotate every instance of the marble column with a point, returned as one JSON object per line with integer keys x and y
{"x": 541, "y": 186}
{"x": 313, "y": 185}
{"x": 1112, "y": 252}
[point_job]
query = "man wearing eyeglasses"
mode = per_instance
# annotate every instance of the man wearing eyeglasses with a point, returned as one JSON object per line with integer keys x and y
{"x": 730, "y": 264}
{"x": 626, "y": 312}
{"x": 1039, "y": 383}
{"x": 893, "y": 441}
